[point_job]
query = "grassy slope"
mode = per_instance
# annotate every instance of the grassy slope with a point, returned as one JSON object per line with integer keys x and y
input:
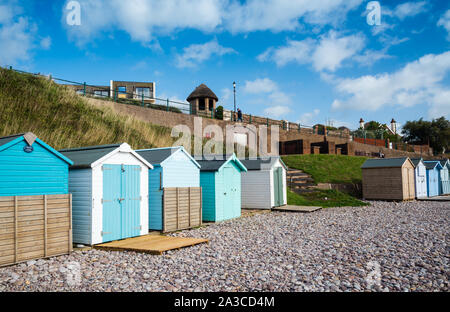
{"x": 324, "y": 198}
{"x": 62, "y": 119}
{"x": 328, "y": 168}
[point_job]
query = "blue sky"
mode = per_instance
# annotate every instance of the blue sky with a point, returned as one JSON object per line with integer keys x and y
{"x": 300, "y": 60}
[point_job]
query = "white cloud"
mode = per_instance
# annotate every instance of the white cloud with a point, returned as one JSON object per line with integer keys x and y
{"x": 418, "y": 83}
{"x": 195, "y": 54}
{"x": 258, "y": 86}
{"x": 46, "y": 43}
{"x": 327, "y": 53}
{"x": 267, "y": 91}
{"x": 309, "y": 119}
{"x": 444, "y": 21}
{"x": 409, "y": 9}
{"x": 226, "y": 95}
{"x": 277, "y": 111}
{"x": 333, "y": 50}
{"x": 18, "y": 35}
{"x": 144, "y": 20}
{"x": 280, "y": 15}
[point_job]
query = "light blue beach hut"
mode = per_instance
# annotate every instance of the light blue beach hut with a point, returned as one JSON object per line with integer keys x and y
{"x": 445, "y": 178}
{"x": 174, "y": 189}
{"x": 28, "y": 166}
{"x": 220, "y": 180}
{"x": 433, "y": 180}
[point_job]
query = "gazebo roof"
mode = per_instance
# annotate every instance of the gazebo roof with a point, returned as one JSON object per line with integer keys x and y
{"x": 202, "y": 91}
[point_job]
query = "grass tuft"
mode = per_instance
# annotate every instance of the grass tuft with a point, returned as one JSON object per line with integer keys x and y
{"x": 324, "y": 199}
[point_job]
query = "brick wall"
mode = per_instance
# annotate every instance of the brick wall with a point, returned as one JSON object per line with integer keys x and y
{"x": 170, "y": 119}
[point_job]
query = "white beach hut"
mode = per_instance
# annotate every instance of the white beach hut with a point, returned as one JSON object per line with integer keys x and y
{"x": 109, "y": 185}
{"x": 420, "y": 173}
{"x": 264, "y": 184}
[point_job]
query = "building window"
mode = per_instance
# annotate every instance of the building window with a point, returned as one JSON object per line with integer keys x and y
{"x": 210, "y": 104}
{"x": 101, "y": 93}
{"x": 201, "y": 104}
{"x": 142, "y": 91}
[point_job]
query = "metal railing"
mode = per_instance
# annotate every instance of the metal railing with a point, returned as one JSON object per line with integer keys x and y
{"x": 140, "y": 99}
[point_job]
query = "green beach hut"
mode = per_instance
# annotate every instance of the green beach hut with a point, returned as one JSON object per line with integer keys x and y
{"x": 220, "y": 179}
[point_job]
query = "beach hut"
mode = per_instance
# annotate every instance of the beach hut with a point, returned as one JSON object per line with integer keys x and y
{"x": 35, "y": 204}
{"x": 420, "y": 177}
{"x": 28, "y": 166}
{"x": 433, "y": 181}
{"x": 445, "y": 178}
{"x": 174, "y": 189}
{"x": 388, "y": 179}
{"x": 264, "y": 184}
{"x": 220, "y": 179}
{"x": 109, "y": 184}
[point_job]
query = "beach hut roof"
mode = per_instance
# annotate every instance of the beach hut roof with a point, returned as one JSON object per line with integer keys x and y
{"x": 30, "y": 138}
{"x": 385, "y": 163}
{"x": 89, "y": 157}
{"x": 215, "y": 162}
{"x": 445, "y": 162}
{"x": 431, "y": 164}
{"x": 157, "y": 156}
{"x": 416, "y": 161}
{"x": 262, "y": 163}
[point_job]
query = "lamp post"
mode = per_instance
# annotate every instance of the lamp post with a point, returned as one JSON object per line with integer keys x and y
{"x": 234, "y": 90}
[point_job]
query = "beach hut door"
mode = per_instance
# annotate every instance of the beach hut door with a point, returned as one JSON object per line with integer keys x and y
{"x": 121, "y": 202}
{"x": 278, "y": 186}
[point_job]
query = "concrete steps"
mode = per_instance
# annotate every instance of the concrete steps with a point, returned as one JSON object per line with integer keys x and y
{"x": 300, "y": 182}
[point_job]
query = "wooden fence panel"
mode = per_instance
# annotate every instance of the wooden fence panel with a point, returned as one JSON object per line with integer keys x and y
{"x": 182, "y": 208}
{"x": 34, "y": 227}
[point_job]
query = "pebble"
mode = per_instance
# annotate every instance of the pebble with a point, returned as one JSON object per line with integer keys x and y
{"x": 382, "y": 247}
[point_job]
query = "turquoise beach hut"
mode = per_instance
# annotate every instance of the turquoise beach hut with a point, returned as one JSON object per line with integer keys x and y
{"x": 175, "y": 168}
{"x": 28, "y": 166}
{"x": 445, "y": 178}
{"x": 220, "y": 180}
{"x": 433, "y": 180}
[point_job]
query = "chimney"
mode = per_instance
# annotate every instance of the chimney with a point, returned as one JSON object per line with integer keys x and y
{"x": 361, "y": 123}
{"x": 394, "y": 126}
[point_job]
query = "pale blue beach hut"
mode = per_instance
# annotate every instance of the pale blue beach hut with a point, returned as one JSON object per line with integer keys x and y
{"x": 433, "y": 180}
{"x": 175, "y": 171}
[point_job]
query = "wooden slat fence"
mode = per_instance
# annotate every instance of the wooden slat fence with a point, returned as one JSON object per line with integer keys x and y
{"x": 182, "y": 208}
{"x": 33, "y": 227}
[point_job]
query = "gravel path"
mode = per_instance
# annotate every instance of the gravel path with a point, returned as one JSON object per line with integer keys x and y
{"x": 384, "y": 247}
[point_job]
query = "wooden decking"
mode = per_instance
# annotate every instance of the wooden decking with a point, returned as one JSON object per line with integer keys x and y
{"x": 152, "y": 244}
{"x": 291, "y": 208}
{"x": 444, "y": 198}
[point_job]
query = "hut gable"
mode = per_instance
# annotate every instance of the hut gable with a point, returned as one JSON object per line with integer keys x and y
{"x": 217, "y": 164}
{"x": 159, "y": 156}
{"x": 28, "y": 166}
{"x": 29, "y": 139}
{"x": 386, "y": 163}
{"x": 90, "y": 157}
